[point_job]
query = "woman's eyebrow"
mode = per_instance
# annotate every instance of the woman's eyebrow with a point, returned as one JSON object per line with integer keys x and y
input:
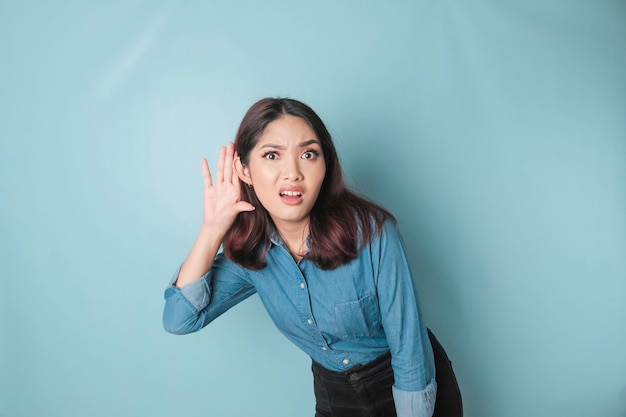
{"x": 272, "y": 145}
{"x": 301, "y": 144}
{"x": 309, "y": 142}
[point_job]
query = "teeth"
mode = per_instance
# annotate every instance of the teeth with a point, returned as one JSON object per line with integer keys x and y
{"x": 291, "y": 193}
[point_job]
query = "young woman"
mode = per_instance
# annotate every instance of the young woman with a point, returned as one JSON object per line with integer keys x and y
{"x": 328, "y": 265}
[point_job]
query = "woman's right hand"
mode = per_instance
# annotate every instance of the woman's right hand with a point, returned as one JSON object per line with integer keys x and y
{"x": 222, "y": 204}
{"x": 222, "y": 198}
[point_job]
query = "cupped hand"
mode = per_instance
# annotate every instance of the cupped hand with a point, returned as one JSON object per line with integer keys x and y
{"x": 222, "y": 198}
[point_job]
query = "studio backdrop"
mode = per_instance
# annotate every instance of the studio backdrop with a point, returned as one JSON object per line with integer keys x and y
{"x": 495, "y": 131}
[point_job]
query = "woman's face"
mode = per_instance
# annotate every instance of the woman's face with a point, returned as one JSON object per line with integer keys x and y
{"x": 286, "y": 168}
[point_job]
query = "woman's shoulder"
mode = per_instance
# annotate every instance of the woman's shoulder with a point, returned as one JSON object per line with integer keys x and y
{"x": 389, "y": 229}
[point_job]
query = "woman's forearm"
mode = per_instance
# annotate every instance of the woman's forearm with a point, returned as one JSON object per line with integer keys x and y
{"x": 201, "y": 256}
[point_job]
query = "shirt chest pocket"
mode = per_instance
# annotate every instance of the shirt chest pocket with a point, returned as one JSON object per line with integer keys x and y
{"x": 360, "y": 318}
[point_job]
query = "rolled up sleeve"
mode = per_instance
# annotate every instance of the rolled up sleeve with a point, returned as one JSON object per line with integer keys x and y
{"x": 194, "y": 305}
{"x": 414, "y": 388}
{"x": 183, "y": 305}
{"x": 416, "y": 403}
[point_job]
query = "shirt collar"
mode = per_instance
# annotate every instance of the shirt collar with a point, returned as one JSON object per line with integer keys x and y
{"x": 275, "y": 238}
{"x": 278, "y": 241}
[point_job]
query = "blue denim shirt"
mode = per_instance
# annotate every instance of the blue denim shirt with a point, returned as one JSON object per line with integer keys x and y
{"x": 343, "y": 317}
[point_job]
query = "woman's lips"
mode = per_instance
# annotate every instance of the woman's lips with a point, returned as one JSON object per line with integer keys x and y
{"x": 291, "y": 195}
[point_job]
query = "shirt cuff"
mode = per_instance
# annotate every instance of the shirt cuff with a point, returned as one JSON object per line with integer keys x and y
{"x": 196, "y": 292}
{"x": 416, "y": 403}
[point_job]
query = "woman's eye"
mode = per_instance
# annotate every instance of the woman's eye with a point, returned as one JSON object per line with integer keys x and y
{"x": 270, "y": 155}
{"x": 310, "y": 155}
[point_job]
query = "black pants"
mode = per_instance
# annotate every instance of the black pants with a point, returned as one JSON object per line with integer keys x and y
{"x": 362, "y": 391}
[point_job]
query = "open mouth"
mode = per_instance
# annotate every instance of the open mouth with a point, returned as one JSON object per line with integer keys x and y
{"x": 290, "y": 194}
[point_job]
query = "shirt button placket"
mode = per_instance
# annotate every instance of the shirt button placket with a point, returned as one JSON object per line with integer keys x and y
{"x": 310, "y": 321}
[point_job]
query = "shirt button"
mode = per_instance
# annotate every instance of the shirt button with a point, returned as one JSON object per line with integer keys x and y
{"x": 324, "y": 348}
{"x": 309, "y": 321}
{"x": 346, "y": 361}
{"x": 302, "y": 285}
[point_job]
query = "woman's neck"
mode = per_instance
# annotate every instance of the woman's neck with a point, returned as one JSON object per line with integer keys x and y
{"x": 294, "y": 235}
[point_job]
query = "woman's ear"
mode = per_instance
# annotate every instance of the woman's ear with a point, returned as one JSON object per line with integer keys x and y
{"x": 242, "y": 171}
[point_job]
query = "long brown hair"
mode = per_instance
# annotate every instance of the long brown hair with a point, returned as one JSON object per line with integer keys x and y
{"x": 341, "y": 221}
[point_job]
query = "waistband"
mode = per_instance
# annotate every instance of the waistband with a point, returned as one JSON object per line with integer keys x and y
{"x": 356, "y": 372}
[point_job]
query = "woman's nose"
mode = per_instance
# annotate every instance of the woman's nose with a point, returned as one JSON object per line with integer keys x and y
{"x": 292, "y": 170}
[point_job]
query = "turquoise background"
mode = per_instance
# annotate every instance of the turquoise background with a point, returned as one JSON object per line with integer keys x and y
{"x": 494, "y": 130}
